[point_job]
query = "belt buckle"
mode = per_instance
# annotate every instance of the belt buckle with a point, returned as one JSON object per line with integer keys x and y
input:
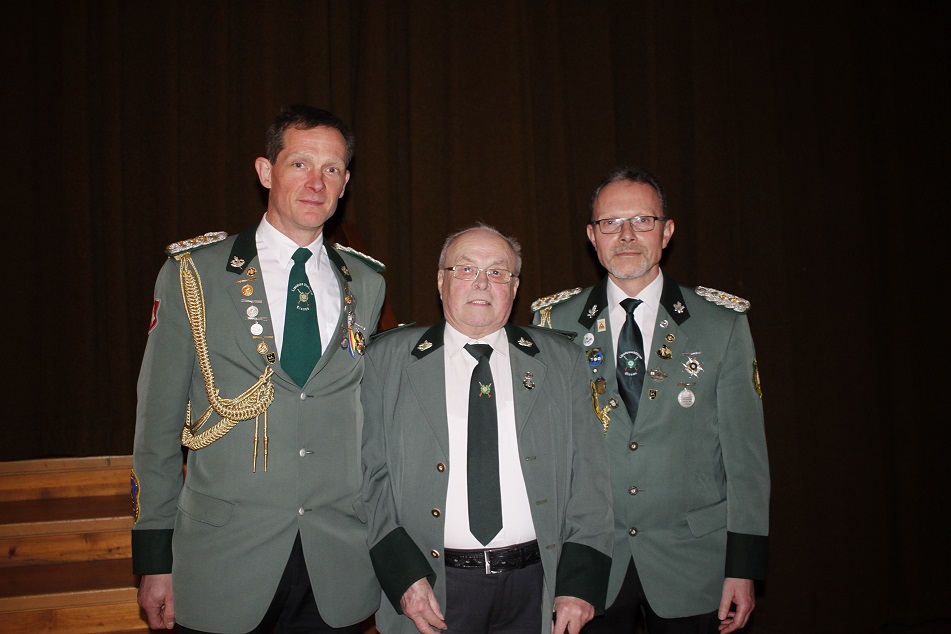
{"x": 488, "y": 564}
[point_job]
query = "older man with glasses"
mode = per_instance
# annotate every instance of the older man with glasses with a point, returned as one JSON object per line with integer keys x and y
{"x": 485, "y": 475}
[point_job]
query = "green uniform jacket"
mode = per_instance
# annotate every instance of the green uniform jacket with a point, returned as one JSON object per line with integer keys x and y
{"x": 225, "y": 533}
{"x": 407, "y": 466}
{"x": 690, "y": 484}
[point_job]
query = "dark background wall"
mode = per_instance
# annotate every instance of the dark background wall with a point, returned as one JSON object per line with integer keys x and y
{"x": 804, "y": 147}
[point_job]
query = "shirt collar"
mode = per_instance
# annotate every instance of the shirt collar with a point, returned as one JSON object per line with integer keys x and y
{"x": 649, "y": 295}
{"x": 455, "y": 341}
{"x": 283, "y": 247}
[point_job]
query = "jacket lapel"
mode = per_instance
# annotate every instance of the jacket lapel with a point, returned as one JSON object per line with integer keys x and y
{"x": 255, "y": 338}
{"x": 427, "y": 376}
{"x": 529, "y": 374}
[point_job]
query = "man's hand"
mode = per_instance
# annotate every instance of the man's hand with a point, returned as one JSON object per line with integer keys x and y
{"x": 738, "y": 592}
{"x": 420, "y": 605}
{"x": 571, "y": 614}
{"x": 155, "y": 597}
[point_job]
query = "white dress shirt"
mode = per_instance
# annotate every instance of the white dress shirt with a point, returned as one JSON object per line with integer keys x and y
{"x": 517, "y": 524}
{"x": 645, "y": 315}
{"x": 275, "y": 251}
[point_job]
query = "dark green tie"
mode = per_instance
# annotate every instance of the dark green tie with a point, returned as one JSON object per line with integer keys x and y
{"x": 630, "y": 359}
{"x": 482, "y": 453}
{"x": 300, "y": 350}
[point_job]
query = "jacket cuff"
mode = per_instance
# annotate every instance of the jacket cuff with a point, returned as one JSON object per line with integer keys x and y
{"x": 583, "y": 573}
{"x": 746, "y": 555}
{"x": 152, "y": 551}
{"x": 398, "y": 564}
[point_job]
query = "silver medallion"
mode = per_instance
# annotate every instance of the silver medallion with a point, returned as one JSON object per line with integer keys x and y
{"x": 252, "y": 311}
{"x": 257, "y": 329}
{"x": 588, "y": 338}
{"x": 686, "y": 398}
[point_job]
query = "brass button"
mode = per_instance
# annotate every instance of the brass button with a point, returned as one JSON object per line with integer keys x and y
{"x": 434, "y": 553}
{"x": 436, "y": 512}
{"x": 440, "y": 467}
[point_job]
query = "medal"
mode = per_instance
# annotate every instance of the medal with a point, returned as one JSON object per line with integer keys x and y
{"x": 692, "y": 365}
{"x": 588, "y": 339}
{"x": 257, "y": 329}
{"x": 686, "y": 398}
{"x": 665, "y": 352}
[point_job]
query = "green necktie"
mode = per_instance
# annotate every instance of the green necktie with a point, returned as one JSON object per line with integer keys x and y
{"x": 630, "y": 359}
{"x": 300, "y": 350}
{"x": 482, "y": 450}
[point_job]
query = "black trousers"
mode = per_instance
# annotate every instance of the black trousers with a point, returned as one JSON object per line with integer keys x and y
{"x": 293, "y": 609}
{"x": 508, "y": 602}
{"x": 631, "y": 605}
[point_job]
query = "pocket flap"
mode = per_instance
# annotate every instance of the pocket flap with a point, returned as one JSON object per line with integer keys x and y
{"x": 705, "y": 520}
{"x": 204, "y": 508}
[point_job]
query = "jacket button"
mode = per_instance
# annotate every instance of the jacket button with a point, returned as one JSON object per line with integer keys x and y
{"x": 632, "y": 490}
{"x": 434, "y": 553}
{"x": 440, "y": 467}
{"x": 632, "y": 532}
{"x": 633, "y": 446}
{"x": 436, "y": 512}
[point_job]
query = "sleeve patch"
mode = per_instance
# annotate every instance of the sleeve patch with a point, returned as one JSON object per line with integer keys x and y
{"x": 154, "y": 321}
{"x": 134, "y": 482}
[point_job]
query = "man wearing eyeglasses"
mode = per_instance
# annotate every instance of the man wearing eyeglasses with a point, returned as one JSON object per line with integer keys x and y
{"x": 486, "y": 480}
{"x": 674, "y": 380}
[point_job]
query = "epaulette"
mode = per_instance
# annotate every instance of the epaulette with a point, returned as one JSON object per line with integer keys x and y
{"x": 373, "y": 263}
{"x": 183, "y": 246}
{"x": 567, "y": 334}
{"x": 720, "y": 298}
{"x": 557, "y": 298}
{"x": 388, "y": 331}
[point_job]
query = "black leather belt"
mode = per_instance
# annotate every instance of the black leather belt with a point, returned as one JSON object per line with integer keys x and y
{"x": 495, "y": 560}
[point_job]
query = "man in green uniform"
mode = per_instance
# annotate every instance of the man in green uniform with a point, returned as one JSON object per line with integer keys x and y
{"x": 673, "y": 378}
{"x": 486, "y": 478}
{"x": 254, "y": 362}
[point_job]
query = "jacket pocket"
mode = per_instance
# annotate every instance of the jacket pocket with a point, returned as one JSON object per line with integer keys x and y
{"x": 204, "y": 508}
{"x": 705, "y": 520}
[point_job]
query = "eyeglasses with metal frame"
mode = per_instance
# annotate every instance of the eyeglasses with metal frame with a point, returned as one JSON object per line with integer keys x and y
{"x": 468, "y": 273}
{"x": 638, "y": 223}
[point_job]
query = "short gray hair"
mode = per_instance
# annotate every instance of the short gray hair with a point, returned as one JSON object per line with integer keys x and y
{"x": 481, "y": 226}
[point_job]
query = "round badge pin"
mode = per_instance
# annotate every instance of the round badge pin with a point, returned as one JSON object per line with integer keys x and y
{"x": 588, "y": 338}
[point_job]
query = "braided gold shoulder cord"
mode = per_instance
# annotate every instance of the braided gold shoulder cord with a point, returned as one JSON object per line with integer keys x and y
{"x": 249, "y": 404}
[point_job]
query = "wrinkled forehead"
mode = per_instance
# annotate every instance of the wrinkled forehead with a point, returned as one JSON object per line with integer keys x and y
{"x": 481, "y": 249}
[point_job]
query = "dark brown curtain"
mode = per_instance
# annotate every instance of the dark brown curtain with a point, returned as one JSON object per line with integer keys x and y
{"x": 804, "y": 147}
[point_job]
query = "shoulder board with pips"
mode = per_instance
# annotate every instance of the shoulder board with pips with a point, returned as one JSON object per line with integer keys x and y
{"x": 720, "y": 298}
{"x": 373, "y": 263}
{"x": 184, "y": 246}
{"x": 557, "y": 298}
